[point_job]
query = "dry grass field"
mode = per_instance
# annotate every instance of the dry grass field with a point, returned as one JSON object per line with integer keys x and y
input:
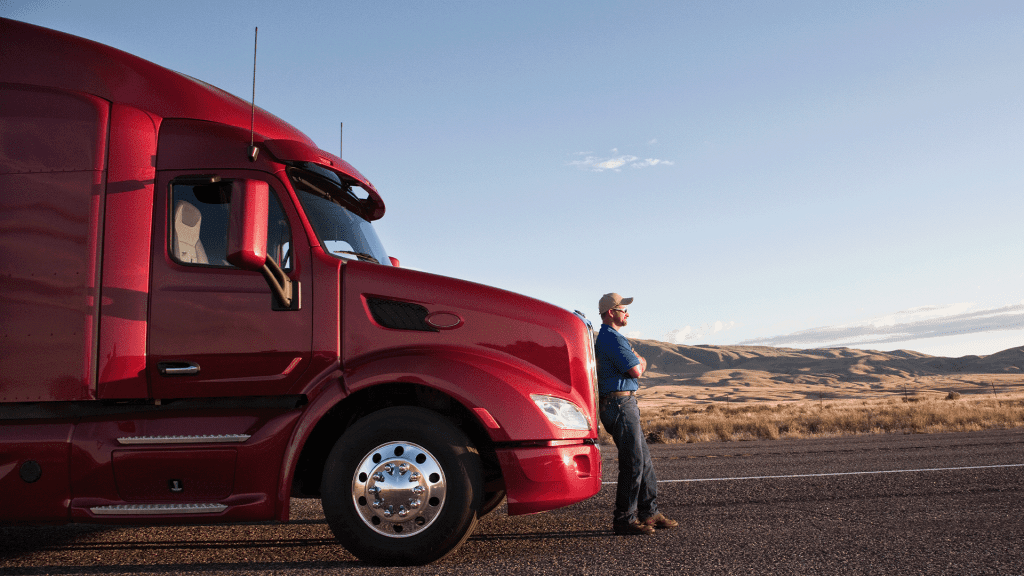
{"x": 721, "y": 393}
{"x": 807, "y": 418}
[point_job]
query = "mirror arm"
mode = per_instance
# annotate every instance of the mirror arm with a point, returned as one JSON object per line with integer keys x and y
{"x": 279, "y": 282}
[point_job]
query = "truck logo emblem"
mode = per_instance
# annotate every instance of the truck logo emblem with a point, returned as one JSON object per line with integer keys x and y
{"x": 443, "y": 320}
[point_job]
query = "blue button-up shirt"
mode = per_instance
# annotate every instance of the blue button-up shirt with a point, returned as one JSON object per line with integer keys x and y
{"x": 615, "y": 357}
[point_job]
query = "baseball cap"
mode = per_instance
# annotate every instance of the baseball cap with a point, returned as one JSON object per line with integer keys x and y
{"x": 609, "y": 301}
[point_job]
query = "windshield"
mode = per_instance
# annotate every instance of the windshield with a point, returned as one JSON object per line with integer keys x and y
{"x": 331, "y": 206}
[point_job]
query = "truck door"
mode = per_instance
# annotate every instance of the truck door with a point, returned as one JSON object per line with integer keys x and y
{"x": 215, "y": 330}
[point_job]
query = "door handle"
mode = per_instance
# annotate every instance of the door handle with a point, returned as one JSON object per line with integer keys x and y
{"x": 178, "y": 368}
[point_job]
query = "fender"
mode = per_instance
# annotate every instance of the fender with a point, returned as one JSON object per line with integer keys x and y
{"x": 494, "y": 384}
{"x": 324, "y": 395}
{"x": 501, "y": 385}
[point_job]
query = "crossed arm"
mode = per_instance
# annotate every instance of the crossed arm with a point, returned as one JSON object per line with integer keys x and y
{"x": 640, "y": 368}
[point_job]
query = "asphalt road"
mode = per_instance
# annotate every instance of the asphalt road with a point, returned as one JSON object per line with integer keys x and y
{"x": 935, "y": 504}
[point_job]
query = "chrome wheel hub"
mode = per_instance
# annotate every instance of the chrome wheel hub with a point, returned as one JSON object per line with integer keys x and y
{"x": 398, "y": 489}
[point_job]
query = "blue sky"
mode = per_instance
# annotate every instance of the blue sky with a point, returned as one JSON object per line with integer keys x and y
{"x": 778, "y": 173}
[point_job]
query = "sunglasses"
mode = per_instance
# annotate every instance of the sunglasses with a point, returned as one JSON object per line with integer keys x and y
{"x": 623, "y": 310}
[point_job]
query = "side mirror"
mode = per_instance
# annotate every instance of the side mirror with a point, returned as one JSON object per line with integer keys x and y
{"x": 247, "y": 240}
{"x": 247, "y": 224}
{"x": 394, "y": 261}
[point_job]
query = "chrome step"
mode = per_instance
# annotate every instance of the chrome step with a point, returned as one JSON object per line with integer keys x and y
{"x": 205, "y": 439}
{"x": 144, "y": 509}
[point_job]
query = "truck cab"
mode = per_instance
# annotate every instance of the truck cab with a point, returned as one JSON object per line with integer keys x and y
{"x": 200, "y": 323}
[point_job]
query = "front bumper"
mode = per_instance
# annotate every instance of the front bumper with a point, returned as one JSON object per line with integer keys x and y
{"x": 539, "y": 478}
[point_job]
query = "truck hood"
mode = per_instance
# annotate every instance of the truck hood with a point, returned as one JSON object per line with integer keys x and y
{"x": 406, "y": 308}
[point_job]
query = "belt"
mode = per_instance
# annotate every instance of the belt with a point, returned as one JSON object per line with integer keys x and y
{"x": 617, "y": 394}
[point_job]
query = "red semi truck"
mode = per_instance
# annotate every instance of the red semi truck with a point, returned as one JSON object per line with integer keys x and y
{"x": 199, "y": 324}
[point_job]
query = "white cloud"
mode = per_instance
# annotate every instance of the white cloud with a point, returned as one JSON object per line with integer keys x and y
{"x": 904, "y": 326}
{"x": 616, "y": 162}
{"x": 680, "y": 336}
{"x": 597, "y": 164}
{"x": 634, "y": 334}
{"x": 684, "y": 335}
{"x": 649, "y": 162}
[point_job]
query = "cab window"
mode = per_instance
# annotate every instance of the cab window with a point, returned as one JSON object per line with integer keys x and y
{"x": 199, "y": 225}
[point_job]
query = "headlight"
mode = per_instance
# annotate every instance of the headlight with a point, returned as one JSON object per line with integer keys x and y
{"x": 561, "y": 413}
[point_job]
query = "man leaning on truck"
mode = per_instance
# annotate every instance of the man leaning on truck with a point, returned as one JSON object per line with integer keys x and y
{"x": 618, "y": 367}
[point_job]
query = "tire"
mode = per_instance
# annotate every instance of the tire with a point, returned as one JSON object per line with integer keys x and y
{"x": 402, "y": 486}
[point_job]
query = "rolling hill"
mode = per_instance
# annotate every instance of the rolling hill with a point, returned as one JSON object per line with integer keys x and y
{"x": 680, "y": 373}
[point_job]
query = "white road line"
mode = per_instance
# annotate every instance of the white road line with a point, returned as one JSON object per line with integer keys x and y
{"x": 835, "y": 474}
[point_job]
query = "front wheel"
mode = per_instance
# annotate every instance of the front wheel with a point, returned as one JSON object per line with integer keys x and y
{"x": 402, "y": 486}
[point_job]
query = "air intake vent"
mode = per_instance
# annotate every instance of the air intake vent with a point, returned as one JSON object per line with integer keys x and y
{"x": 399, "y": 315}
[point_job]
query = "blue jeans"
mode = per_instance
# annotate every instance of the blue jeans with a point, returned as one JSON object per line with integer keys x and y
{"x": 637, "y": 492}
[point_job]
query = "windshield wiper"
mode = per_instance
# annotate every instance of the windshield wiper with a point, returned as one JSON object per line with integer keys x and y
{"x": 360, "y": 255}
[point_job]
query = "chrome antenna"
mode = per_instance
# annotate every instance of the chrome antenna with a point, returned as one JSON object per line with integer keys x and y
{"x": 253, "y": 150}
